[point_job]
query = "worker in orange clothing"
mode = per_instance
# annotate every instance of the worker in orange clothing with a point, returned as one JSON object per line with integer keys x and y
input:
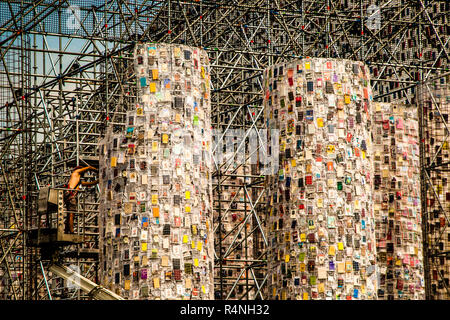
{"x": 70, "y": 197}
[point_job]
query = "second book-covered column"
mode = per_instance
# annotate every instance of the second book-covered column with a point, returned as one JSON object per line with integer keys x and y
{"x": 321, "y": 226}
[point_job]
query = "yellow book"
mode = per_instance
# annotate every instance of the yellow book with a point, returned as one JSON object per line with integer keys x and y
{"x": 155, "y": 74}
{"x": 195, "y": 262}
{"x": 305, "y": 296}
{"x": 154, "y": 146}
{"x": 155, "y": 212}
{"x": 156, "y": 283}
{"x": 154, "y": 199}
{"x": 185, "y": 238}
{"x": 286, "y": 258}
{"x": 144, "y": 246}
{"x": 347, "y": 99}
{"x": 321, "y": 287}
{"x": 187, "y": 208}
{"x": 165, "y": 138}
{"x": 113, "y": 162}
{"x": 293, "y": 163}
{"x": 203, "y": 72}
{"x": 152, "y": 87}
{"x": 319, "y": 122}
{"x": 199, "y": 245}
{"x": 187, "y": 195}
{"x": 340, "y": 246}
{"x": 127, "y": 284}
{"x": 332, "y": 250}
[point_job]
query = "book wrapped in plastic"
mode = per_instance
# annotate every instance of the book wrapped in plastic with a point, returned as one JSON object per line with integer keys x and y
{"x": 321, "y": 226}
{"x": 397, "y": 207}
{"x": 156, "y": 194}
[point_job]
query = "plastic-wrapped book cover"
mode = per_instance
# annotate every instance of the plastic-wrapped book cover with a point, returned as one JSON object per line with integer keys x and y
{"x": 321, "y": 225}
{"x": 397, "y": 207}
{"x": 156, "y": 203}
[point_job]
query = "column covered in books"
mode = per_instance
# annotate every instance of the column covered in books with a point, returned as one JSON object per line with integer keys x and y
{"x": 156, "y": 210}
{"x": 321, "y": 225}
{"x": 397, "y": 201}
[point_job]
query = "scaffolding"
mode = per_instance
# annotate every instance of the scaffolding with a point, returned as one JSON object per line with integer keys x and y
{"x": 65, "y": 75}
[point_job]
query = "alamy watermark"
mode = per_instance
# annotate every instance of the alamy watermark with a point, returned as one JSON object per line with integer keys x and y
{"x": 228, "y": 149}
{"x": 238, "y": 146}
{"x": 74, "y": 20}
{"x": 73, "y": 282}
{"x": 373, "y": 17}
